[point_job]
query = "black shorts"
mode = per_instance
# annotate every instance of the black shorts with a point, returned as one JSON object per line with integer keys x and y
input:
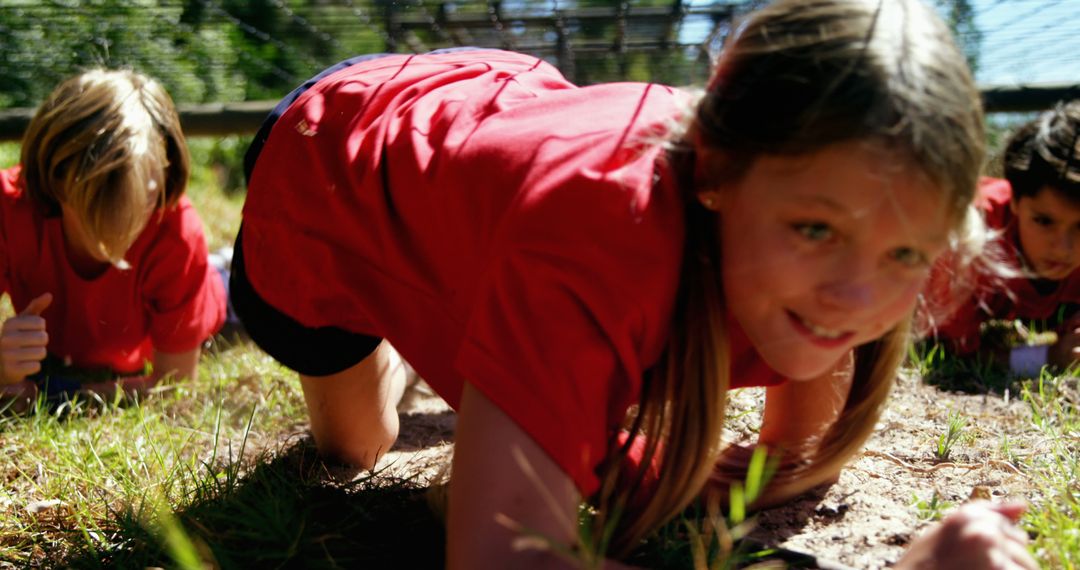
{"x": 310, "y": 351}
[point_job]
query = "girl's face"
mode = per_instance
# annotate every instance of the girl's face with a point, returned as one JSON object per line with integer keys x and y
{"x": 826, "y": 251}
{"x": 1049, "y": 228}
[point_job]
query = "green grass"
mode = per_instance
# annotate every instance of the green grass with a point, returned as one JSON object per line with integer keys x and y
{"x": 954, "y": 429}
{"x": 932, "y": 509}
{"x": 1055, "y": 520}
{"x": 1052, "y": 458}
{"x": 111, "y": 463}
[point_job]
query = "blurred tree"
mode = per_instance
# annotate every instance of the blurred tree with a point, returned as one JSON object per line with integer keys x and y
{"x": 202, "y": 50}
{"x": 233, "y": 50}
{"x": 960, "y": 15}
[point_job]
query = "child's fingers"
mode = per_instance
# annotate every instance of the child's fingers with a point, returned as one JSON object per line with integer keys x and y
{"x": 24, "y": 323}
{"x": 17, "y": 335}
{"x": 39, "y": 304}
{"x": 20, "y": 369}
{"x": 1012, "y": 510}
{"x": 24, "y": 354}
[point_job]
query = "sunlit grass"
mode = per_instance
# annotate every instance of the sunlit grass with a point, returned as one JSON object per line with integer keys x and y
{"x": 71, "y": 468}
{"x": 1055, "y": 520}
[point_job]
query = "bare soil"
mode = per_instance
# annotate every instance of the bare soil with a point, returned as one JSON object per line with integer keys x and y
{"x": 868, "y": 517}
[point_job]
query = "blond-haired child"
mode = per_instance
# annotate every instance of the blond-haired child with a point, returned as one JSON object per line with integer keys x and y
{"x": 102, "y": 254}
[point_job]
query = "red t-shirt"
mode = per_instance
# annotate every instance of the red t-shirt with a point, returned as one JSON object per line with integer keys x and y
{"x": 493, "y": 221}
{"x": 170, "y": 299}
{"x": 994, "y": 299}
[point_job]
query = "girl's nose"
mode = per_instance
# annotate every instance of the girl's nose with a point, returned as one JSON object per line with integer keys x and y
{"x": 847, "y": 294}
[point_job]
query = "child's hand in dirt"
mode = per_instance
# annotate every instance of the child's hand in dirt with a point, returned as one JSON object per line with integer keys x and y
{"x": 978, "y": 536}
{"x": 23, "y": 341}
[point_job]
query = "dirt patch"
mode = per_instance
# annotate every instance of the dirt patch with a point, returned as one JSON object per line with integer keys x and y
{"x": 872, "y": 513}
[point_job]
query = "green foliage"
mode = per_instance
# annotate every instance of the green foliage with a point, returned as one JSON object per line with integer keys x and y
{"x": 1053, "y": 401}
{"x": 939, "y": 367}
{"x": 42, "y": 44}
{"x": 9, "y": 154}
{"x": 703, "y": 538}
{"x": 1007, "y": 450}
{"x": 951, "y": 435}
{"x": 202, "y": 51}
{"x": 1054, "y": 522}
{"x": 219, "y": 163}
{"x": 233, "y": 50}
{"x": 960, "y": 16}
{"x": 932, "y": 509}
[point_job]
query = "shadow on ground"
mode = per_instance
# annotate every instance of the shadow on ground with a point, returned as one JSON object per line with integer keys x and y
{"x": 284, "y": 513}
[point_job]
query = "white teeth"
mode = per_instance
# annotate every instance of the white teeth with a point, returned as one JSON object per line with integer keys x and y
{"x": 822, "y": 332}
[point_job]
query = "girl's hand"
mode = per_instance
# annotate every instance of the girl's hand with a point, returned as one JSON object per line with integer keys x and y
{"x": 23, "y": 341}
{"x": 979, "y": 536}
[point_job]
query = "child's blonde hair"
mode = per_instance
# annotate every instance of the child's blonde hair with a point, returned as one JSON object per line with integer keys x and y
{"x": 797, "y": 76}
{"x": 108, "y": 146}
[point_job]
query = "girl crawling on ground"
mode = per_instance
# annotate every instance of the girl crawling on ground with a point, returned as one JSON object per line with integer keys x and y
{"x": 583, "y": 273}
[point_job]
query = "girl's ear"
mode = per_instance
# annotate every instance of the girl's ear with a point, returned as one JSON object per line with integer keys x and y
{"x": 710, "y": 199}
{"x": 709, "y": 171}
{"x": 1013, "y": 207}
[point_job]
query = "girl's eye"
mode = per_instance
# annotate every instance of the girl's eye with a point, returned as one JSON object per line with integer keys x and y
{"x": 909, "y": 257}
{"x": 814, "y": 231}
{"x": 1042, "y": 220}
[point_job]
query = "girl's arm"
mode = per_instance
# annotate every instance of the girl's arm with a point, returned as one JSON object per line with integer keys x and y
{"x": 799, "y": 413}
{"x": 499, "y": 472}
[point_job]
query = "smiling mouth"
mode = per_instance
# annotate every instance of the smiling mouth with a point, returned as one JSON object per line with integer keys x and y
{"x": 819, "y": 333}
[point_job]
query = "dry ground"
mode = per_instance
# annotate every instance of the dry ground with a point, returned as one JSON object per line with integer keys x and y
{"x": 864, "y": 520}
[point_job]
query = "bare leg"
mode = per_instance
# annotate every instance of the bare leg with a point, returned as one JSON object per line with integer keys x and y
{"x": 354, "y": 412}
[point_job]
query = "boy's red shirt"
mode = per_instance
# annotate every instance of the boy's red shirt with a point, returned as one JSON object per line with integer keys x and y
{"x": 170, "y": 299}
